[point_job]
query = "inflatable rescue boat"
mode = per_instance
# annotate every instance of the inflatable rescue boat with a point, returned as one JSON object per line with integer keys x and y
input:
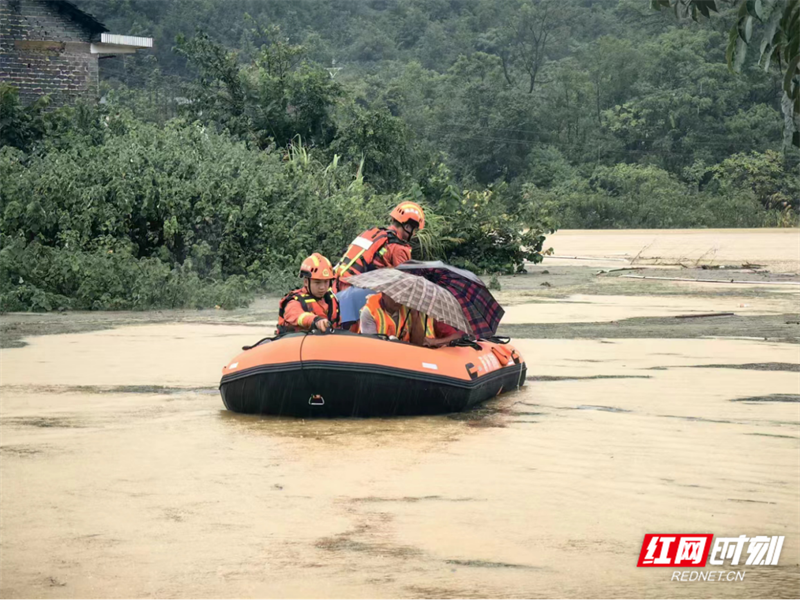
{"x": 346, "y": 374}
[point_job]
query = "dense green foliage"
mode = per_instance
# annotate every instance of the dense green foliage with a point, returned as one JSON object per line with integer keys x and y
{"x": 491, "y": 85}
{"x": 780, "y": 41}
{"x": 20, "y": 126}
{"x": 234, "y": 149}
{"x": 109, "y": 212}
{"x": 645, "y": 196}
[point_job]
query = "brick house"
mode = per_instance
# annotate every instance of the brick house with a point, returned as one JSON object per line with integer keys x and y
{"x": 52, "y": 47}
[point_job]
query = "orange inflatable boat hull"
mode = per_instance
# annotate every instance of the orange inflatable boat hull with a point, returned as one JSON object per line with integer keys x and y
{"x": 344, "y": 374}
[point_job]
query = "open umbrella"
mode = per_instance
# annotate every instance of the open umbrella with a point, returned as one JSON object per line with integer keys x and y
{"x": 480, "y": 308}
{"x": 414, "y": 292}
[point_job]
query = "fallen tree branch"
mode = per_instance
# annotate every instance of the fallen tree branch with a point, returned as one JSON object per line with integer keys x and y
{"x": 711, "y": 280}
{"x": 590, "y": 258}
{"x": 604, "y": 271}
{"x": 719, "y": 314}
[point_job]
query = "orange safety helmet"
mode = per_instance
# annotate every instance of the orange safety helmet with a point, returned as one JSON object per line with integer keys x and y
{"x": 316, "y": 266}
{"x": 409, "y": 211}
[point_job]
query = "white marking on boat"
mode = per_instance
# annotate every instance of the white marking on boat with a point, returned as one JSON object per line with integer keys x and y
{"x": 233, "y": 365}
{"x": 430, "y": 366}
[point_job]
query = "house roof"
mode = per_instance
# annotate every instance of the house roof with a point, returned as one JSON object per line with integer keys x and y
{"x": 76, "y": 14}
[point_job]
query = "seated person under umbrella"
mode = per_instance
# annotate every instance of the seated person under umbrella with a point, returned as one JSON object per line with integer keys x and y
{"x": 405, "y": 307}
{"x": 382, "y": 315}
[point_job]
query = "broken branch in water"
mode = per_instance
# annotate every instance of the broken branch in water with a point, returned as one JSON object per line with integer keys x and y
{"x": 604, "y": 271}
{"x": 711, "y": 280}
{"x": 718, "y": 314}
{"x": 590, "y": 258}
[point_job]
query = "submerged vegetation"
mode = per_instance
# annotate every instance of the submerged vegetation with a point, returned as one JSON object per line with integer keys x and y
{"x": 216, "y": 163}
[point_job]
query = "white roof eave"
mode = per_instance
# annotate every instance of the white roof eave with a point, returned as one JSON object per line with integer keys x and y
{"x": 111, "y": 44}
{"x": 126, "y": 40}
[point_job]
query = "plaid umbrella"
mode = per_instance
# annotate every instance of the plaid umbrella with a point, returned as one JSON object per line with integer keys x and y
{"x": 414, "y": 292}
{"x": 479, "y": 306}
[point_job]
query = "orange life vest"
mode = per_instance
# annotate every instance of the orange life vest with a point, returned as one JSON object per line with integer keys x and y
{"x": 361, "y": 253}
{"x": 386, "y": 325}
{"x": 310, "y": 305}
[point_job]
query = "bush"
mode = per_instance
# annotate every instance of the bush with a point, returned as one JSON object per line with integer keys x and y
{"x": 486, "y": 231}
{"x": 41, "y": 278}
{"x": 109, "y": 212}
{"x": 486, "y": 236}
{"x": 763, "y": 174}
{"x": 645, "y": 196}
{"x": 20, "y": 126}
{"x": 183, "y": 194}
{"x": 174, "y": 217}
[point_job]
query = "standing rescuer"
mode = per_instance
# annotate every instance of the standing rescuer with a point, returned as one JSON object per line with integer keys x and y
{"x": 382, "y": 247}
{"x": 313, "y": 306}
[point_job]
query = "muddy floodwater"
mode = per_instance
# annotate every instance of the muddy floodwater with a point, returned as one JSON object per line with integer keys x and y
{"x": 122, "y": 475}
{"x": 776, "y": 249}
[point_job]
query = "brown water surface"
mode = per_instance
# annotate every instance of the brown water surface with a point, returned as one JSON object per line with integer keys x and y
{"x": 775, "y": 249}
{"x": 121, "y": 489}
{"x": 121, "y": 474}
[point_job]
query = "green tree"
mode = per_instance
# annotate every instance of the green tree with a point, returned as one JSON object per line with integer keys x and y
{"x": 270, "y": 101}
{"x": 762, "y": 173}
{"x": 20, "y": 126}
{"x": 381, "y": 144}
{"x": 780, "y": 40}
{"x": 682, "y": 106}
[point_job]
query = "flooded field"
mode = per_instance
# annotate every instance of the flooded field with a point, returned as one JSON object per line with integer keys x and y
{"x": 122, "y": 474}
{"x": 775, "y": 249}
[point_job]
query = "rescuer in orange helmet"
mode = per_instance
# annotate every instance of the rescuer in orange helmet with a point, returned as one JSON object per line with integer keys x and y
{"x": 313, "y": 306}
{"x": 382, "y": 247}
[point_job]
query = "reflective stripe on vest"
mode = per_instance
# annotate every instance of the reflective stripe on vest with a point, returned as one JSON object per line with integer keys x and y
{"x": 309, "y": 304}
{"x": 360, "y": 255}
{"x": 385, "y": 324}
{"x": 405, "y": 325}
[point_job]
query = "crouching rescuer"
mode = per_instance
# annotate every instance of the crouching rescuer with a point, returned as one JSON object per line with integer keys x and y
{"x": 313, "y": 306}
{"x": 382, "y": 247}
